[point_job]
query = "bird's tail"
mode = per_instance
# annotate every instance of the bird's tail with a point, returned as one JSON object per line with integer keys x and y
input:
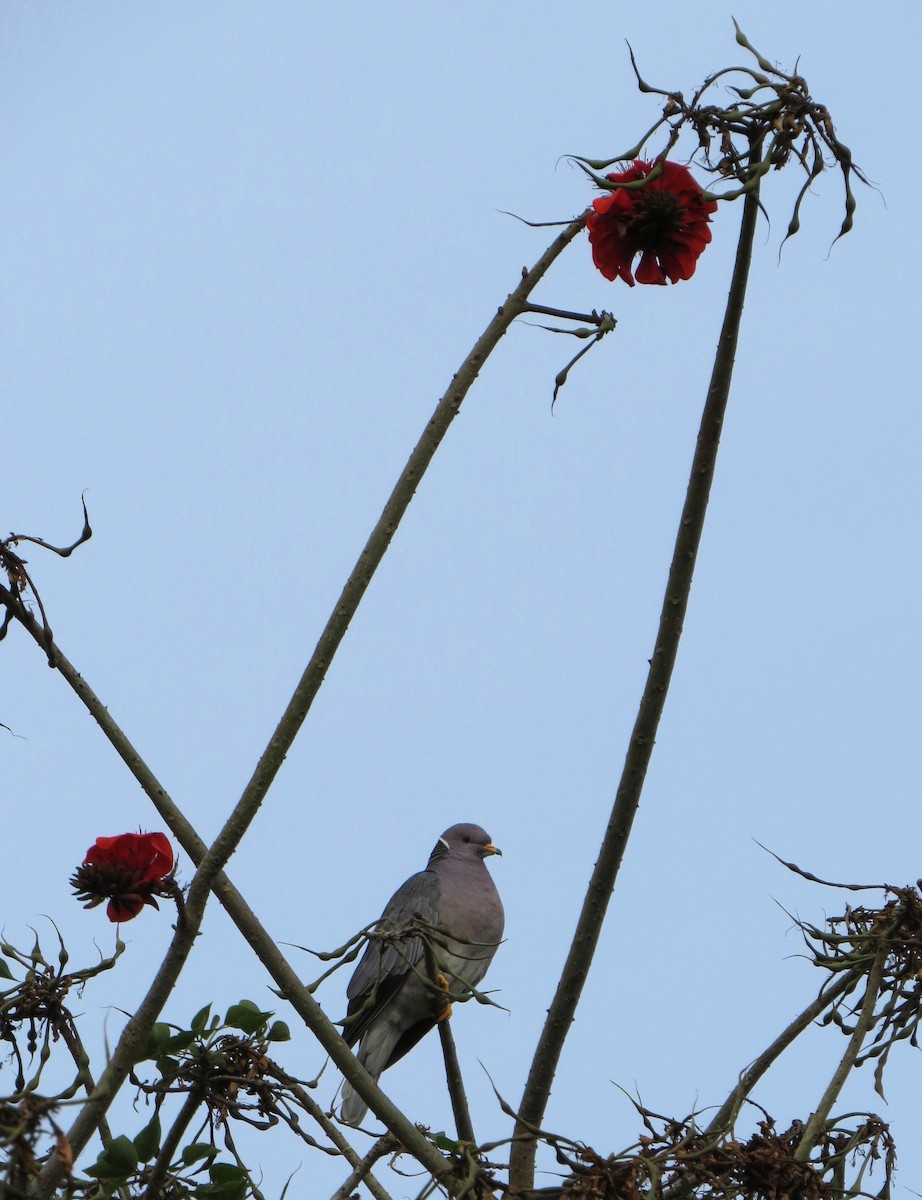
{"x": 354, "y": 1107}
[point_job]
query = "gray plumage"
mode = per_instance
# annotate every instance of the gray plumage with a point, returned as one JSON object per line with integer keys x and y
{"x": 455, "y": 892}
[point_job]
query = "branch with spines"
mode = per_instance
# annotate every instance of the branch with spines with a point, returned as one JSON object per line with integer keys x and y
{"x": 750, "y": 167}
{"x": 640, "y": 748}
{"x": 210, "y": 861}
{"x": 759, "y": 135}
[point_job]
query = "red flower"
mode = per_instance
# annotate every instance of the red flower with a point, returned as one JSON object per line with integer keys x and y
{"x": 127, "y": 871}
{"x": 665, "y": 221}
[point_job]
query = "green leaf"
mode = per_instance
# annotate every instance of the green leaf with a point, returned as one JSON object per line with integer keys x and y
{"x": 196, "y": 1152}
{"x": 200, "y": 1020}
{"x": 147, "y": 1142}
{"x": 225, "y": 1172}
{"x": 168, "y": 1067}
{"x": 278, "y": 1032}
{"x": 246, "y": 1016}
{"x": 117, "y": 1161}
{"x": 103, "y": 1171}
{"x": 121, "y": 1152}
{"x": 444, "y": 1142}
{"x": 5, "y": 972}
{"x": 228, "y": 1182}
{"x": 232, "y": 1190}
{"x": 179, "y": 1041}
{"x": 159, "y": 1035}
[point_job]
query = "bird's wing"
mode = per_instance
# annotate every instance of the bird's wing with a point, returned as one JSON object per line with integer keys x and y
{"x": 385, "y": 964}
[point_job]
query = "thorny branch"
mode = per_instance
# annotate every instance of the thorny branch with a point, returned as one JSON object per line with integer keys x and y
{"x": 757, "y": 134}
{"x": 209, "y": 861}
{"x": 20, "y": 581}
{"x": 772, "y": 121}
{"x": 640, "y": 750}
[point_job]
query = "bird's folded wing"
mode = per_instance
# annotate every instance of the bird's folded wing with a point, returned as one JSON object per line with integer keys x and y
{"x": 385, "y": 963}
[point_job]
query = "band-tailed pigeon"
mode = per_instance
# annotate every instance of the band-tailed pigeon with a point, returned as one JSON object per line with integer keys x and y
{"x": 456, "y": 893}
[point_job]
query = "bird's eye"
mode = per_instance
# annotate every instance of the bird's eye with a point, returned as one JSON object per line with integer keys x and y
{"x": 465, "y": 838}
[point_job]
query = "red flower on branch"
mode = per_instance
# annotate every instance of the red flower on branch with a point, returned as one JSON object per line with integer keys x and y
{"x": 128, "y": 871}
{"x": 665, "y": 221}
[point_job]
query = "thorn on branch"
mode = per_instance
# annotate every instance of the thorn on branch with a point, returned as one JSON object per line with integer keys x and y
{"x": 21, "y": 583}
{"x": 771, "y": 120}
{"x": 599, "y": 324}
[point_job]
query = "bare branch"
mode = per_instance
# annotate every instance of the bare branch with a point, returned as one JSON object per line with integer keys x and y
{"x": 723, "y": 1121}
{"x": 381, "y": 1147}
{"x": 375, "y": 548}
{"x": 459, "y": 1106}
{"x": 675, "y": 602}
{"x": 264, "y": 946}
{"x": 817, "y": 1123}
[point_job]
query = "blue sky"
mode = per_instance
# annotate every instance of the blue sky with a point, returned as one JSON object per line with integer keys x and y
{"x": 246, "y": 246}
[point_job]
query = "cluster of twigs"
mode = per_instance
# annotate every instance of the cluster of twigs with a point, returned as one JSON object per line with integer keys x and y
{"x": 872, "y": 956}
{"x": 773, "y": 119}
{"x": 13, "y": 565}
{"x": 35, "y": 1016}
{"x": 25, "y": 1124}
{"x": 416, "y": 943}
{"x": 860, "y": 937}
{"x": 34, "y": 1013}
{"x": 223, "y": 1077}
{"x": 676, "y": 1160}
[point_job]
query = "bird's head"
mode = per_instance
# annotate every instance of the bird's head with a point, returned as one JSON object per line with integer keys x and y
{"x": 465, "y": 841}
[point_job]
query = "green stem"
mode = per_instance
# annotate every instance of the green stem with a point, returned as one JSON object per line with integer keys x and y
{"x": 459, "y": 1106}
{"x": 283, "y": 974}
{"x": 817, "y": 1123}
{"x": 640, "y": 749}
{"x": 723, "y": 1120}
{"x": 210, "y": 860}
{"x": 382, "y": 1146}
{"x": 72, "y": 1041}
{"x": 333, "y": 1132}
{"x": 171, "y": 1142}
{"x": 375, "y": 548}
{"x": 130, "y": 1043}
{"x": 455, "y": 1080}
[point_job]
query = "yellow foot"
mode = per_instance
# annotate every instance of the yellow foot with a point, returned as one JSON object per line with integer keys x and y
{"x": 444, "y": 1004}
